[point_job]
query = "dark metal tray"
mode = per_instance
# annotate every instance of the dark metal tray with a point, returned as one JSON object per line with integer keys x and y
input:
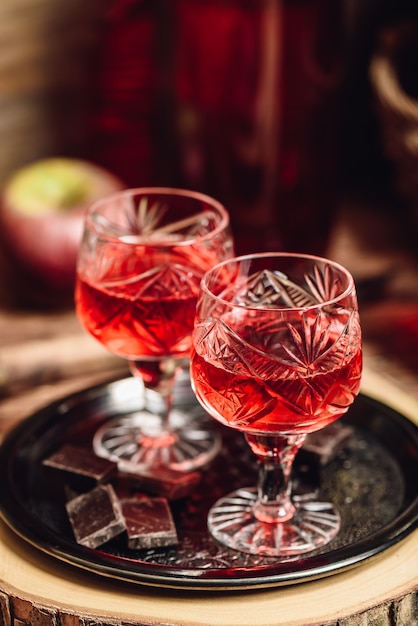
{"x": 372, "y": 480}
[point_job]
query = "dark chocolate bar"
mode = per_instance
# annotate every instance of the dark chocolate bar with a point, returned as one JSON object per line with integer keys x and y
{"x": 81, "y": 465}
{"x": 149, "y": 523}
{"x": 163, "y": 482}
{"x": 323, "y": 445}
{"x": 96, "y": 516}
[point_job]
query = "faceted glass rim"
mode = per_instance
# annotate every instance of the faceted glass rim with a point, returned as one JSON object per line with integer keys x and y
{"x": 350, "y": 289}
{"x": 94, "y": 210}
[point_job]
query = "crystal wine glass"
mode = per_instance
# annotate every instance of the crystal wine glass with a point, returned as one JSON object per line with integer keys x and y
{"x": 140, "y": 262}
{"x": 277, "y": 355}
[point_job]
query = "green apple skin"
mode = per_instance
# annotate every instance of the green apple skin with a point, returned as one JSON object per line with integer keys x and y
{"x": 41, "y": 218}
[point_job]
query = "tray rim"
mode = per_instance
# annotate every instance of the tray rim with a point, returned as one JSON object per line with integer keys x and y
{"x": 192, "y": 579}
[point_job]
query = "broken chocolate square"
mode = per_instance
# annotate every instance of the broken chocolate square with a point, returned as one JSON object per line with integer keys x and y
{"x": 322, "y": 446}
{"x": 149, "y": 523}
{"x": 160, "y": 481}
{"x": 95, "y": 516}
{"x": 81, "y": 466}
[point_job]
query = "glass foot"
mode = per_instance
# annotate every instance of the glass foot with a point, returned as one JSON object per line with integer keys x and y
{"x": 136, "y": 441}
{"x": 232, "y": 523}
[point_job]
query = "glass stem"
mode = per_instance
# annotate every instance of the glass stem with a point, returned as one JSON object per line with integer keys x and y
{"x": 159, "y": 376}
{"x": 275, "y": 456}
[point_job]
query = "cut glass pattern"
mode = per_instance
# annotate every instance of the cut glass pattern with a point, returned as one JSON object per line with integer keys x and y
{"x": 274, "y": 289}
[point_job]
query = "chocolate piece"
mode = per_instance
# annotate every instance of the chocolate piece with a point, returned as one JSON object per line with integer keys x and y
{"x": 96, "y": 516}
{"x": 323, "y": 445}
{"x": 163, "y": 482}
{"x": 81, "y": 466}
{"x": 149, "y": 523}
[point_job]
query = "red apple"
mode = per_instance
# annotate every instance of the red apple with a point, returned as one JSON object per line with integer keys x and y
{"x": 41, "y": 216}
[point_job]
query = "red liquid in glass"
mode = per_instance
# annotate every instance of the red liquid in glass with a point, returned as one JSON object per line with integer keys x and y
{"x": 132, "y": 328}
{"x": 148, "y": 313}
{"x": 288, "y": 398}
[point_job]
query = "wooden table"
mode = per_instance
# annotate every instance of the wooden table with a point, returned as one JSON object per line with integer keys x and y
{"x": 46, "y": 356}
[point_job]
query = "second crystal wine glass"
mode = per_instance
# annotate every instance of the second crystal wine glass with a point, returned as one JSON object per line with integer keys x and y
{"x": 277, "y": 355}
{"x": 142, "y": 256}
